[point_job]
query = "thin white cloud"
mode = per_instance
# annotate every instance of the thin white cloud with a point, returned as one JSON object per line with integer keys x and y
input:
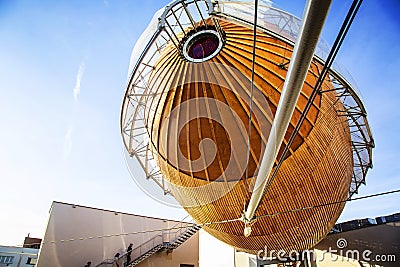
{"x": 77, "y": 88}
{"x": 67, "y": 143}
{"x": 76, "y": 91}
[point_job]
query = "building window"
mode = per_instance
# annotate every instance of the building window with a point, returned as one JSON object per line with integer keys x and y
{"x": 31, "y": 261}
{"x": 6, "y": 259}
{"x": 186, "y": 265}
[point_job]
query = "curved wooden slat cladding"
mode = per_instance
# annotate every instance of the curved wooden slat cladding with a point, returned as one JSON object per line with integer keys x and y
{"x": 193, "y": 137}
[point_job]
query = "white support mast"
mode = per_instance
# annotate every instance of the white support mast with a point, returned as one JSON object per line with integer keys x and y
{"x": 314, "y": 17}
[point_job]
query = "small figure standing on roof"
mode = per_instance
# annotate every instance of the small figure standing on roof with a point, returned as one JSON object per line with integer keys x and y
{"x": 128, "y": 254}
{"x": 116, "y": 260}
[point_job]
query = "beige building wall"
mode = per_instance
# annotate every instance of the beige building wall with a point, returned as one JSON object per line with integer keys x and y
{"x": 77, "y": 234}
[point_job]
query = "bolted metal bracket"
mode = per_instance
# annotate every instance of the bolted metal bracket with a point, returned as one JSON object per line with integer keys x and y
{"x": 247, "y": 224}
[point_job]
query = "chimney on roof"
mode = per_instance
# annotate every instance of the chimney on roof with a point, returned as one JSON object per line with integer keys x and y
{"x": 31, "y": 242}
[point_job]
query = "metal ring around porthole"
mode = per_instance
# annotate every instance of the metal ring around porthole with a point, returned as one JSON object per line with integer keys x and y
{"x": 202, "y": 46}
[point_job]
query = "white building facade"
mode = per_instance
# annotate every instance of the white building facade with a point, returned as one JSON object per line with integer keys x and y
{"x": 18, "y": 256}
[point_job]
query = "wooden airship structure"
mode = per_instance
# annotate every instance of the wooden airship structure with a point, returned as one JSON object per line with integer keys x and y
{"x": 250, "y": 131}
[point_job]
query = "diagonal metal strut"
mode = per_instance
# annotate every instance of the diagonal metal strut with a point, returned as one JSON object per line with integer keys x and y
{"x": 314, "y": 17}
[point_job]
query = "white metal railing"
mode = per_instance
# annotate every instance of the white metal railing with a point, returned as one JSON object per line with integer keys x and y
{"x": 161, "y": 240}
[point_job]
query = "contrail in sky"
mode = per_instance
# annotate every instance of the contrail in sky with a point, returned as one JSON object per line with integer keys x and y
{"x": 77, "y": 88}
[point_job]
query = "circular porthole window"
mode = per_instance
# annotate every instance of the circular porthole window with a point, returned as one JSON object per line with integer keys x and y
{"x": 202, "y": 46}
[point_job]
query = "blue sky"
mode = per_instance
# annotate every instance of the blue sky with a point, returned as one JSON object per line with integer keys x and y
{"x": 62, "y": 78}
